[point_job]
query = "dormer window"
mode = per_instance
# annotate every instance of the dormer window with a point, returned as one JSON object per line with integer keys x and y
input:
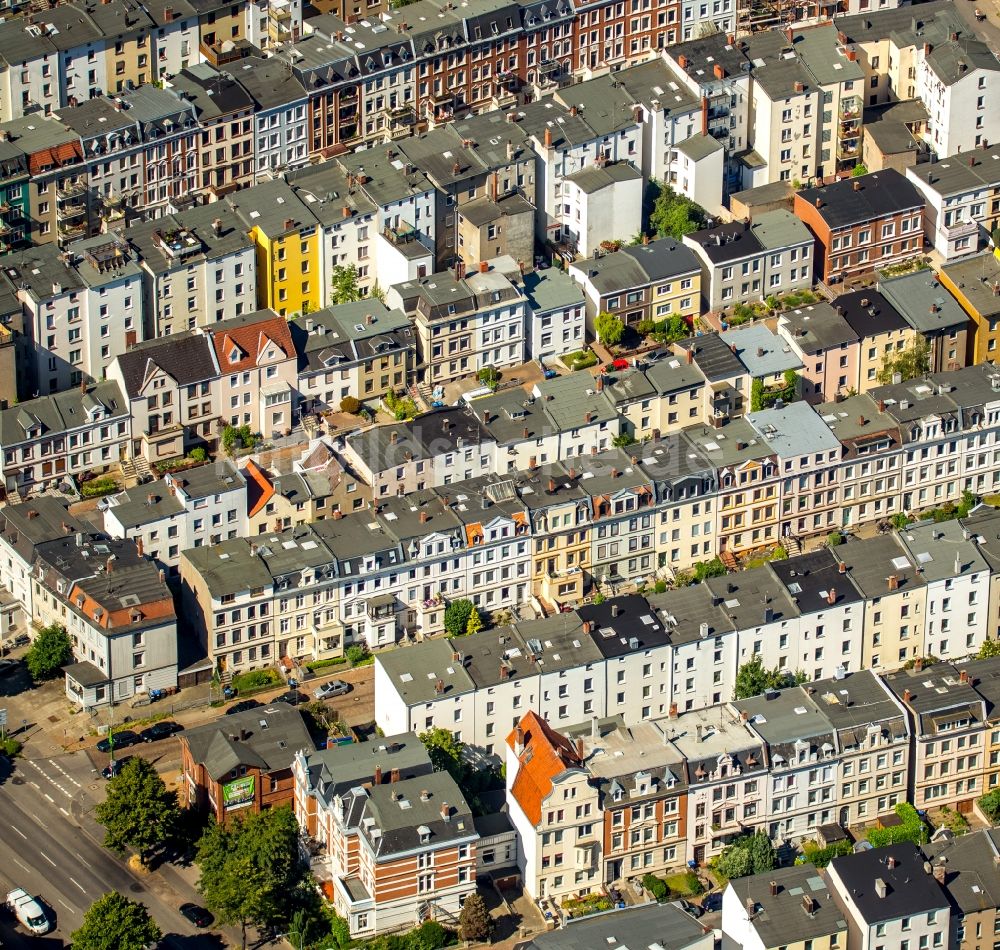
{"x": 234, "y": 355}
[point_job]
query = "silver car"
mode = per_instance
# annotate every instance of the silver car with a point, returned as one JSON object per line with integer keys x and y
{"x": 331, "y": 689}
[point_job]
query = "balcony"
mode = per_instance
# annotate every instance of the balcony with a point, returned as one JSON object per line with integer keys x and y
{"x": 70, "y": 232}
{"x": 850, "y": 107}
{"x": 503, "y": 98}
{"x": 70, "y": 189}
{"x": 349, "y": 95}
{"x": 848, "y": 148}
{"x": 959, "y": 230}
{"x": 71, "y": 211}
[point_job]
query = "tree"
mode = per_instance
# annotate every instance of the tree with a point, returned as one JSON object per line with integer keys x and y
{"x": 139, "y": 811}
{"x": 909, "y": 363}
{"x": 250, "y": 868}
{"x": 609, "y": 328}
{"x": 673, "y": 215}
{"x": 623, "y": 441}
{"x": 753, "y": 679}
{"x": 445, "y": 753}
{"x": 756, "y": 394}
{"x": 489, "y": 377}
{"x": 474, "y": 922}
{"x": 51, "y": 650}
{"x": 377, "y": 293}
{"x": 344, "y": 284}
{"x": 116, "y": 923}
{"x": 351, "y": 405}
{"x": 858, "y": 170}
{"x": 990, "y": 805}
{"x": 750, "y": 854}
{"x": 703, "y": 570}
{"x": 456, "y": 617}
{"x": 475, "y": 622}
{"x": 988, "y": 649}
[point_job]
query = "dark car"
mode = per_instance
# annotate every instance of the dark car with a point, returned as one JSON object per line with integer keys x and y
{"x": 160, "y": 730}
{"x": 244, "y": 706}
{"x": 713, "y": 902}
{"x": 8, "y": 666}
{"x": 693, "y": 909}
{"x": 122, "y": 740}
{"x": 293, "y": 697}
{"x": 197, "y": 915}
{"x": 114, "y": 767}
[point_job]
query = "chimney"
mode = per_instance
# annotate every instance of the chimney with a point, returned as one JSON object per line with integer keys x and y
{"x": 423, "y": 517}
{"x": 579, "y": 749}
{"x": 918, "y": 664}
{"x": 109, "y": 564}
{"x": 842, "y": 567}
{"x": 890, "y": 862}
{"x": 548, "y": 138}
{"x": 288, "y": 224}
{"x": 880, "y": 887}
{"x": 730, "y": 39}
{"x": 518, "y": 740}
{"x": 552, "y": 486}
{"x": 690, "y": 356}
{"x": 881, "y": 405}
{"x": 345, "y": 211}
{"x": 586, "y": 631}
{"x": 615, "y": 610}
{"x": 719, "y": 71}
{"x": 163, "y": 577}
{"x": 800, "y": 86}
{"x": 672, "y": 713}
{"x": 856, "y": 184}
{"x": 773, "y": 888}
{"x": 852, "y": 55}
{"x": 32, "y": 514}
{"x": 939, "y": 873}
{"x": 907, "y": 695}
{"x": 600, "y": 383}
{"x": 704, "y": 115}
{"x": 393, "y": 437}
{"x": 572, "y": 111}
{"x": 588, "y": 418}
{"x": 168, "y": 15}
{"x": 526, "y": 434}
{"x": 378, "y": 775}
{"x": 439, "y": 687}
{"x": 808, "y": 904}
{"x": 893, "y": 582}
{"x": 337, "y": 514}
{"x": 459, "y": 270}
{"x": 954, "y": 37}
{"x": 217, "y": 226}
{"x": 831, "y": 597}
{"x": 751, "y": 906}
{"x": 138, "y": 546}
{"x": 484, "y": 267}
{"x": 963, "y": 676}
{"x": 819, "y": 202}
{"x": 790, "y": 34}
{"x": 927, "y": 49}
{"x": 445, "y": 811}
{"x": 682, "y": 61}
{"x": 394, "y": 776}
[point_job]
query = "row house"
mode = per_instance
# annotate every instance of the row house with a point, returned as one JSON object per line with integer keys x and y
{"x": 199, "y": 506}
{"x": 975, "y": 283}
{"x": 865, "y": 222}
{"x": 962, "y": 198}
{"x": 882, "y": 332}
{"x": 118, "y": 611}
{"x": 82, "y": 308}
{"x": 362, "y": 350}
{"x": 827, "y": 346}
{"x": 54, "y": 439}
{"x": 465, "y": 323}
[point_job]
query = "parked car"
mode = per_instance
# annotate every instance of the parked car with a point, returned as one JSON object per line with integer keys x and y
{"x": 331, "y": 689}
{"x": 8, "y": 666}
{"x": 293, "y": 697}
{"x": 114, "y": 767}
{"x": 243, "y": 707}
{"x": 160, "y": 730}
{"x": 21, "y": 640}
{"x": 122, "y": 740}
{"x": 618, "y": 364}
{"x": 693, "y": 909}
{"x": 712, "y": 902}
{"x": 197, "y": 915}
{"x": 29, "y": 911}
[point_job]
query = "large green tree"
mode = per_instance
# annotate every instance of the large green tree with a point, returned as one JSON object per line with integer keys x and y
{"x": 139, "y": 811}
{"x": 673, "y": 215}
{"x": 116, "y": 923}
{"x": 250, "y": 868}
{"x": 610, "y": 328}
{"x": 344, "y": 284}
{"x": 914, "y": 361}
{"x": 457, "y": 615}
{"x": 753, "y": 679}
{"x": 51, "y": 650}
{"x": 751, "y": 854}
{"x": 474, "y": 921}
{"x": 445, "y": 753}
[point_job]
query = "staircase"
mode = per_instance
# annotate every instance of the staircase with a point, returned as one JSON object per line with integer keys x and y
{"x": 729, "y": 560}
{"x": 792, "y": 545}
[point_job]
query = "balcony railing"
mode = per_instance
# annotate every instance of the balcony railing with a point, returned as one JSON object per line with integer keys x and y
{"x": 70, "y": 189}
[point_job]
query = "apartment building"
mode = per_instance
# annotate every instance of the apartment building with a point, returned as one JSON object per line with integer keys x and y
{"x": 555, "y": 313}
{"x": 953, "y": 79}
{"x": 198, "y": 267}
{"x": 728, "y": 779}
{"x": 554, "y": 808}
{"x": 362, "y": 350}
{"x": 792, "y": 909}
{"x": 653, "y": 281}
{"x": 171, "y": 389}
{"x": 975, "y": 283}
{"x": 862, "y": 223}
{"x": 947, "y": 721}
{"x": 962, "y": 200}
{"x": 873, "y": 744}
{"x": 118, "y": 611}
{"x": 942, "y": 322}
{"x": 51, "y": 439}
{"x": 244, "y": 761}
{"x": 882, "y": 333}
{"x": 82, "y": 308}
{"x": 743, "y": 262}
{"x": 665, "y": 925}
{"x": 198, "y": 506}
{"x": 828, "y": 347}
{"x": 887, "y": 895}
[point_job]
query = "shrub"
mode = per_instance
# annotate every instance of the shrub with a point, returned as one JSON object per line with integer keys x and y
{"x": 656, "y": 886}
{"x": 685, "y": 884}
{"x": 358, "y": 655}
{"x": 913, "y": 828}
{"x": 255, "y": 679}
{"x": 820, "y": 857}
{"x": 990, "y": 805}
{"x": 10, "y": 747}
{"x": 834, "y": 538}
{"x": 198, "y": 454}
{"x": 351, "y": 405}
{"x": 98, "y": 486}
{"x": 323, "y": 664}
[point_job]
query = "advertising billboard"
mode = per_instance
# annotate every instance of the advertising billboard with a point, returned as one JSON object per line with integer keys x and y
{"x": 238, "y": 793}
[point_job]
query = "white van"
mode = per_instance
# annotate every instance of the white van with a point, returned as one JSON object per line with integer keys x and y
{"x": 29, "y": 911}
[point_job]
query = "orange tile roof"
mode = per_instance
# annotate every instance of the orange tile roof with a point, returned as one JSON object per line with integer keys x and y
{"x": 546, "y": 754}
{"x": 260, "y": 489}
{"x": 251, "y": 339}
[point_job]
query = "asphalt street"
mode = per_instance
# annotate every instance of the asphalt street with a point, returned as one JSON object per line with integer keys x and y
{"x": 49, "y": 846}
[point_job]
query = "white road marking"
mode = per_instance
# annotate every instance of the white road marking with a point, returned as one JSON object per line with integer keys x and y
{"x": 49, "y": 797}
{"x": 65, "y": 773}
{"x": 61, "y": 901}
{"x": 78, "y": 884}
{"x": 35, "y": 786}
{"x": 82, "y": 858}
{"x": 21, "y": 866}
{"x": 47, "y": 858}
{"x": 18, "y": 831}
{"x": 63, "y": 810}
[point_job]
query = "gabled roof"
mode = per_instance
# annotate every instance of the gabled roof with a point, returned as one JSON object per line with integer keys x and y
{"x": 249, "y": 338}
{"x": 545, "y": 755}
{"x": 186, "y": 358}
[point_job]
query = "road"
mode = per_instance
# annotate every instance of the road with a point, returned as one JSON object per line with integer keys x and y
{"x": 989, "y": 30}
{"x": 48, "y": 847}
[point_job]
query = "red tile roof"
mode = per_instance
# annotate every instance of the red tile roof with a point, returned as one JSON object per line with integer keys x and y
{"x": 545, "y": 755}
{"x": 250, "y": 339}
{"x": 260, "y": 489}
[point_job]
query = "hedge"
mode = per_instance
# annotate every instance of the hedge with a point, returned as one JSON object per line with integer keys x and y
{"x": 913, "y": 828}
{"x": 323, "y": 664}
